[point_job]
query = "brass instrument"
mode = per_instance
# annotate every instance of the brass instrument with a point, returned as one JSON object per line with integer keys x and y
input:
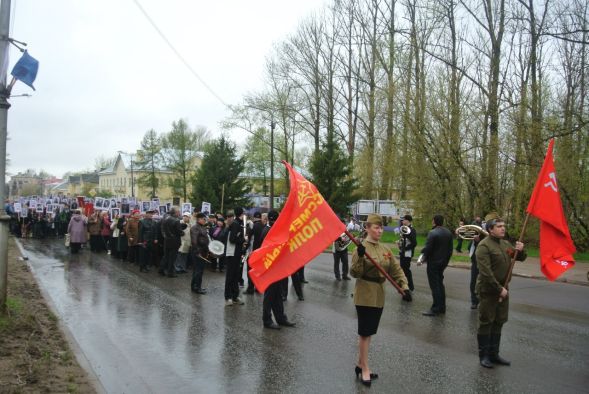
{"x": 470, "y": 231}
{"x": 405, "y": 230}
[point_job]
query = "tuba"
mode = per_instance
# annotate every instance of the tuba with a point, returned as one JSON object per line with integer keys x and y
{"x": 470, "y": 231}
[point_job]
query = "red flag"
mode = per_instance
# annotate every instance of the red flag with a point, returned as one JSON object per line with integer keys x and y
{"x": 305, "y": 227}
{"x": 556, "y": 245}
{"x": 80, "y": 200}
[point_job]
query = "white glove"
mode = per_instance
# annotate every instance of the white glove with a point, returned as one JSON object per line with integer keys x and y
{"x": 420, "y": 260}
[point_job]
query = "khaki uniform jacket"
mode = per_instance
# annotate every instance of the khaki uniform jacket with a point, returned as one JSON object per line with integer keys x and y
{"x": 493, "y": 260}
{"x": 132, "y": 231}
{"x": 369, "y": 289}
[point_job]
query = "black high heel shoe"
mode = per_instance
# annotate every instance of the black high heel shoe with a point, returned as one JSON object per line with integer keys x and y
{"x": 358, "y": 371}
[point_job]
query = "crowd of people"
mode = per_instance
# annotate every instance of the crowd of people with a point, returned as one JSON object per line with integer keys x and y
{"x": 172, "y": 244}
{"x": 179, "y": 241}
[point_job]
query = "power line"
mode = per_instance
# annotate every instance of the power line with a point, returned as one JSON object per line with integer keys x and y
{"x": 177, "y": 53}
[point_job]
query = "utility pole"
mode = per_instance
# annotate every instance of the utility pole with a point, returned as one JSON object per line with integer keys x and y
{"x": 4, "y": 105}
{"x": 132, "y": 178}
{"x": 272, "y": 125}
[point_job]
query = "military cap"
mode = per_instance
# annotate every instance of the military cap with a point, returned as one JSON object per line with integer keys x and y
{"x": 491, "y": 216}
{"x": 374, "y": 219}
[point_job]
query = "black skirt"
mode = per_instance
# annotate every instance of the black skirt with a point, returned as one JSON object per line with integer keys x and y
{"x": 368, "y": 320}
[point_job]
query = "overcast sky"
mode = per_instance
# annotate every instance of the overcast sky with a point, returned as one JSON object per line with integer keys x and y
{"x": 106, "y": 76}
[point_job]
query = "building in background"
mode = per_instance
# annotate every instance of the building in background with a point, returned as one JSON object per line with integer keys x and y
{"x": 116, "y": 180}
{"x": 25, "y": 184}
{"x": 84, "y": 184}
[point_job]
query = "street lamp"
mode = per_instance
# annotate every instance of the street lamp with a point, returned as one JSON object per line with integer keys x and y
{"x": 132, "y": 177}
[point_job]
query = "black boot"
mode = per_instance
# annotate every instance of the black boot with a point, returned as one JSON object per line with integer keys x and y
{"x": 494, "y": 351}
{"x": 484, "y": 351}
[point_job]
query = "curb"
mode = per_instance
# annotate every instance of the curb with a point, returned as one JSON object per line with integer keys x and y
{"x": 538, "y": 277}
{"x": 75, "y": 347}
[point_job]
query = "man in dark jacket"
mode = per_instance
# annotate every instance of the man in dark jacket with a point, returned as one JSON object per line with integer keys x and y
{"x": 437, "y": 253}
{"x": 273, "y": 303}
{"x": 234, "y": 249}
{"x": 199, "y": 240}
{"x": 407, "y": 245}
{"x": 256, "y": 242}
{"x": 146, "y": 240}
{"x": 172, "y": 230}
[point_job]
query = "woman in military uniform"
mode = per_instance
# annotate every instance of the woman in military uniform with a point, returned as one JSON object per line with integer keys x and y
{"x": 369, "y": 292}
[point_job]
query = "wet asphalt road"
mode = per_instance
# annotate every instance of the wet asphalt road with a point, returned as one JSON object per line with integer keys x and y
{"x": 142, "y": 333}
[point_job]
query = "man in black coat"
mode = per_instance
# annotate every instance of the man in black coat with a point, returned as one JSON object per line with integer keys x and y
{"x": 407, "y": 245}
{"x": 256, "y": 242}
{"x": 273, "y": 303}
{"x": 172, "y": 230}
{"x": 437, "y": 252}
{"x": 199, "y": 239}
{"x": 234, "y": 250}
{"x": 146, "y": 240}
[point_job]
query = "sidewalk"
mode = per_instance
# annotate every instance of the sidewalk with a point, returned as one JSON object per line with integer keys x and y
{"x": 531, "y": 269}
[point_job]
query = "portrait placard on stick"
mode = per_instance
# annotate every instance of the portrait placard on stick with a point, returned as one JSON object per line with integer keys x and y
{"x": 163, "y": 209}
{"x": 125, "y": 209}
{"x": 187, "y": 207}
{"x": 155, "y": 204}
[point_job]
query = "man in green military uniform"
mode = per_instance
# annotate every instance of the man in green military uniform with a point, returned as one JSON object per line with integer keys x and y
{"x": 493, "y": 256}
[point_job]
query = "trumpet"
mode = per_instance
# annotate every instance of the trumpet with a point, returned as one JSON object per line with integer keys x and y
{"x": 470, "y": 231}
{"x": 405, "y": 230}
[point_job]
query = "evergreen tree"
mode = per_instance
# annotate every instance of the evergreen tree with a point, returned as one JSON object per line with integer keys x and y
{"x": 331, "y": 173}
{"x": 220, "y": 166}
{"x": 149, "y": 160}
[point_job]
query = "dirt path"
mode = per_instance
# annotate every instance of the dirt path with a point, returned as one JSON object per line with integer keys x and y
{"x": 34, "y": 355}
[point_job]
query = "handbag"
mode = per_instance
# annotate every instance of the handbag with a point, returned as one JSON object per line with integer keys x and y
{"x": 67, "y": 240}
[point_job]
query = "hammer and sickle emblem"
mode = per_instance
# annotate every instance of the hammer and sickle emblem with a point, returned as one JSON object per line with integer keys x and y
{"x": 552, "y": 183}
{"x": 562, "y": 262}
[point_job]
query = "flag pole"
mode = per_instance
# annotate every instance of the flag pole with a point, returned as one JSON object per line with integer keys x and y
{"x": 521, "y": 239}
{"x": 378, "y": 267}
{"x": 512, "y": 264}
